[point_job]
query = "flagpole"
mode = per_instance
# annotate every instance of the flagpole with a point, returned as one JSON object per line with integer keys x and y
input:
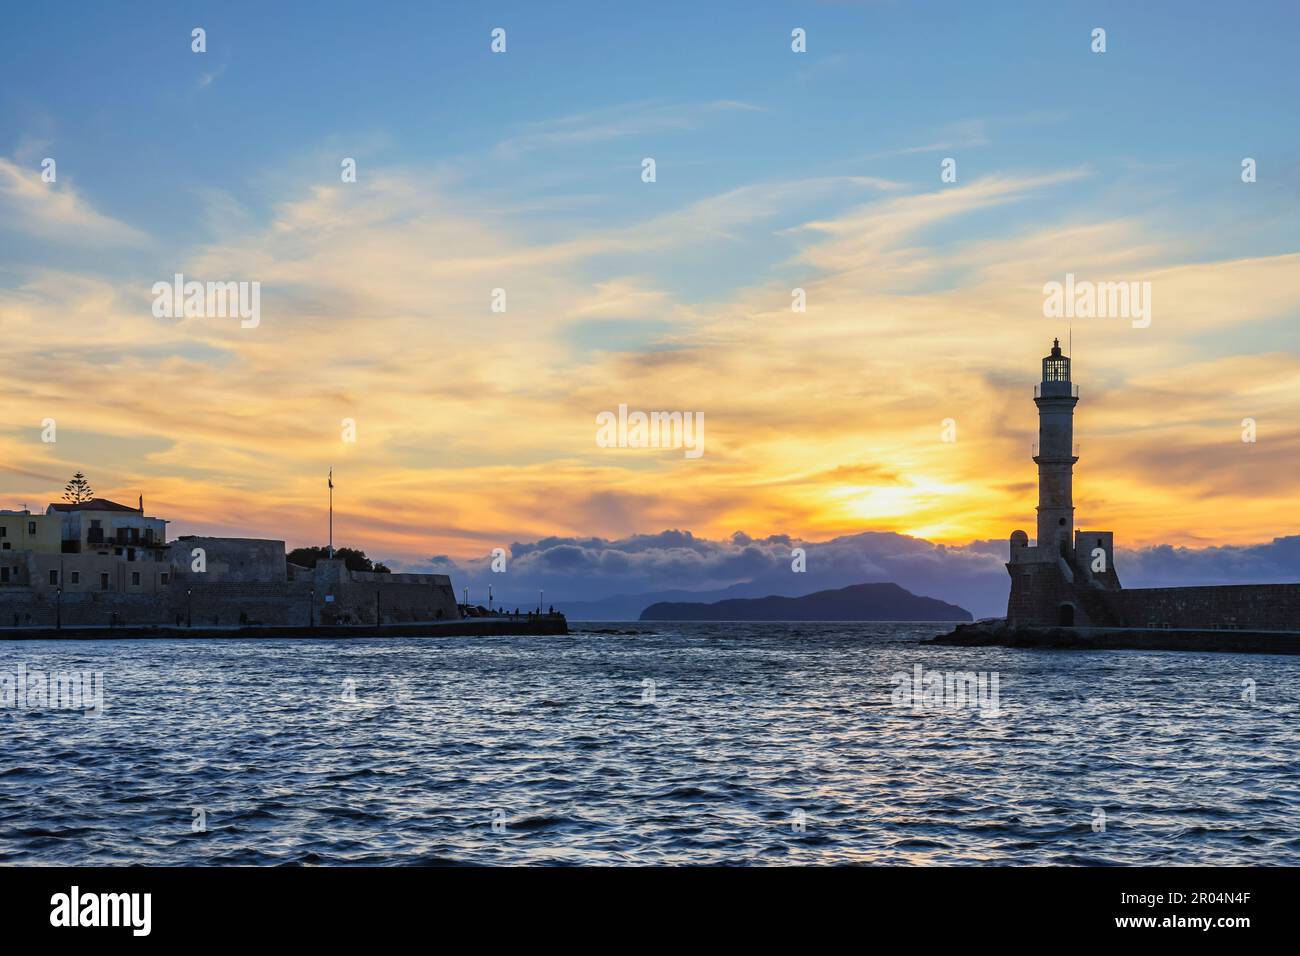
{"x": 331, "y": 480}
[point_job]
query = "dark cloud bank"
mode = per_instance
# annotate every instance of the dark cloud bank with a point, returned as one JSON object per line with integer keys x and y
{"x": 599, "y": 579}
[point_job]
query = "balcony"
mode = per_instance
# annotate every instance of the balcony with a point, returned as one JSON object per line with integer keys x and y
{"x": 1033, "y": 450}
{"x": 133, "y": 538}
{"x": 1057, "y": 390}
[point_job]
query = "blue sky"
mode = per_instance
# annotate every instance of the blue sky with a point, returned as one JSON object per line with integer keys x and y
{"x": 712, "y": 91}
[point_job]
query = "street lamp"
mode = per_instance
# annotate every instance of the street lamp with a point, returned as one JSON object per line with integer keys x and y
{"x": 539, "y": 603}
{"x": 189, "y": 607}
{"x": 311, "y": 610}
{"x": 58, "y": 609}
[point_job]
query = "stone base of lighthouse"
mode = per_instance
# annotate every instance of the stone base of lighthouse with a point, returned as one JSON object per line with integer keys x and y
{"x": 1066, "y": 587}
{"x": 1067, "y": 592}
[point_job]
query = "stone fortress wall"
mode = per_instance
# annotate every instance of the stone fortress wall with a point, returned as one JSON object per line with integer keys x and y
{"x": 246, "y": 580}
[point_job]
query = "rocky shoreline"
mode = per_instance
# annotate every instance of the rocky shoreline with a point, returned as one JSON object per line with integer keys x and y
{"x": 1000, "y": 634}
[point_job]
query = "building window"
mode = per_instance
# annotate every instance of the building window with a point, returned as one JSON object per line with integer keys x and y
{"x": 76, "y": 577}
{"x": 4, "y": 531}
{"x": 5, "y": 547}
{"x": 4, "y": 575}
{"x": 103, "y": 580}
{"x": 135, "y": 579}
{"x": 54, "y": 579}
{"x": 163, "y": 578}
{"x": 31, "y": 527}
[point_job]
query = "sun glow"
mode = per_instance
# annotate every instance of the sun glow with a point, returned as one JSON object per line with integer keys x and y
{"x": 915, "y": 498}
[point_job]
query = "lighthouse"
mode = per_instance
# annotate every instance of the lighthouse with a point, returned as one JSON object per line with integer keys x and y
{"x": 1057, "y": 580}
{"x": 1056, "y": 397}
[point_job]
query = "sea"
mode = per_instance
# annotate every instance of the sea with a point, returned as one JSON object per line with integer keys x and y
{"x": 645, "y": 744}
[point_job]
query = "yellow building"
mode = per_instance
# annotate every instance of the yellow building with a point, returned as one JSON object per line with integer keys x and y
{"x": 23, "y": 536}
{"x": 24, "y": 531}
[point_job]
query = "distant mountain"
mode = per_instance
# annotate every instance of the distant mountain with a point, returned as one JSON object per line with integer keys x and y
{"x": 628, "y": 607}
{"x": 860, "y": 602}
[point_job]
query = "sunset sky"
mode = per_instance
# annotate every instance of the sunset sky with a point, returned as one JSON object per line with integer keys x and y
{"x": 775, "y": 170}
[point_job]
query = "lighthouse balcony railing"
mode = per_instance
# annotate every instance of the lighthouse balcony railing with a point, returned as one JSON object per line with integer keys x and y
{"x": 1057, "y": 390}
{"x": 1033, "y": 450}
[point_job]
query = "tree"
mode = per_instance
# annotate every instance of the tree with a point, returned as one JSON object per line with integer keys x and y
{"x": 78, "y": 489}
{"x": 353, "y": 559}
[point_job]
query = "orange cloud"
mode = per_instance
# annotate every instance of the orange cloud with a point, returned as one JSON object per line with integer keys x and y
{"x": 476, "y": 428}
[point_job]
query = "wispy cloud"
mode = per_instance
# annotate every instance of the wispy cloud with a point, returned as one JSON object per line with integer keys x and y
{"x": 55, "y": 210}
{"x": 617, "y": 122}
{"x": 206, "y": 79}
{"x": 970, "y": 133}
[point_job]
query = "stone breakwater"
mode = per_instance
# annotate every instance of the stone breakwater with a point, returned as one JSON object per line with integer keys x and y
{"x": 546, "y": 624}
{"x": 1000, "y": 634}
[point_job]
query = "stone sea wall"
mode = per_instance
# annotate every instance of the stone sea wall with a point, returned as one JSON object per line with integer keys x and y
{"x": 1265, "y": 607}
{"x": 1000, "y": 634}
{"x": 336, "y": 598}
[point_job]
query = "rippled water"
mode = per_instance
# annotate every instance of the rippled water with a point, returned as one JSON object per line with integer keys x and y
{"x": 769, "y": 744}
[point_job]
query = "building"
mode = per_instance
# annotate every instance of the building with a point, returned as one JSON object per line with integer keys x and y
{"x": 24, "y": 531}
{"x": 107, "y": 547}
{"x": 99, "y": 562}
{"x": 1067, "y": 576}
{"x": 22, "y": 535}
{"x": 104, "y": 527}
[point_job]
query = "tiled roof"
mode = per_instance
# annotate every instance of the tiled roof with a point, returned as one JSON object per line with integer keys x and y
{"x": 94, "y": 504}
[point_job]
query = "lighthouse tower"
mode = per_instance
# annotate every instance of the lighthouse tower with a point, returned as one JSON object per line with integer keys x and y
{"x": 1056, "y": 397}
{"x": 1065, "y": 578}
